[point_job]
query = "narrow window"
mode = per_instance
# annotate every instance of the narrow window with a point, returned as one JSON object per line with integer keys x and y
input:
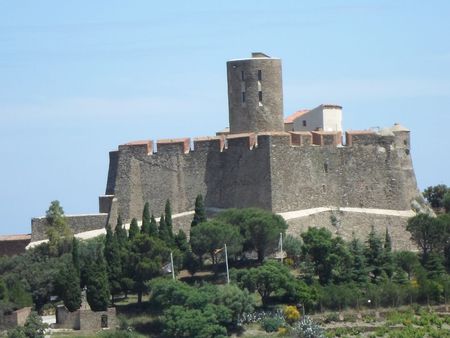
{"x": 323, "y": 188}
{"x": 304, "y": 123}
{"x": 242, "y": 75}
{"x": 243, "y": 97}
{"x": 259, "y": 75}
{"x": 260, "y": 96}
{"x": 325, "y": 167}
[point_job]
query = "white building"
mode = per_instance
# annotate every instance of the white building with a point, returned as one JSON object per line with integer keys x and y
{"x": 326, "y": 117}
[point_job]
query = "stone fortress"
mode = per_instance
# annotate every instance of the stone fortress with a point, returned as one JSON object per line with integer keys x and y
{"x": 299, "y": 167}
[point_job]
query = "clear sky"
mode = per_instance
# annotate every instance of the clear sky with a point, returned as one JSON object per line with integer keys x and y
{"x": 77, "y": 78}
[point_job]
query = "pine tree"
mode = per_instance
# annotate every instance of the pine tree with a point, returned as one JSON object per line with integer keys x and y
{"x": 145, "y": 229}
{"x": 199, "y": 214}
{"x": 375, "y": 255}
{"x": 153, "y": 226}
{"x": 359, "y": 268}
{"x": 134, "y": 229}
{"x": 168, "y": 218}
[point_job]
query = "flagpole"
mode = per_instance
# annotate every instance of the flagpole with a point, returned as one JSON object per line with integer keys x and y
{"x": 171, "y": 263}
{"x": 226, "y": 264}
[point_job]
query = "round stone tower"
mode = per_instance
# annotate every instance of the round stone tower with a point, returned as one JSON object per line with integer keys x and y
{"x": 255, "y": 94}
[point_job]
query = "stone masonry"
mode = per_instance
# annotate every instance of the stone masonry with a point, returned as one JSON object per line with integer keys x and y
{"x": 258, "y": 164}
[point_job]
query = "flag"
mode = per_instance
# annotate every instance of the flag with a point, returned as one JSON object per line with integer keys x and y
{"x": 217, "y": 251}
{"x": 167, "y": 268}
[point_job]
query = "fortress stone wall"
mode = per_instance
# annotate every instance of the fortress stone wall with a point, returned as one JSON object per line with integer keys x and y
{"x": 306, "y": 176}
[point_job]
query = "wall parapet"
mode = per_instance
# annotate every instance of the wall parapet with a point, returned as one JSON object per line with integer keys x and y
{"x": 77, "y": 223}
{"x": 250, "y": 141}
{"x": 301, "y": 138}
{"x": 327, "y": 138}
{"x": 177, "y": 145}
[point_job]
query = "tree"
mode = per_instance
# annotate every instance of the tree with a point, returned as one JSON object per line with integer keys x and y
{"x": 113, "y": 259}
{"x": 33, "y": 328}
{"x": 134, "y": 229}
{"x": 266, "y": 279}
{"x": 145, "y": 229}
{"x": 76, "y": 256}
{"x": 407, "y": 261}
{"x": 374, "y": 255}
{"x": 359, "y": 269}
{"x": 435, "y": 195}
{"x": 97, "y": 284}
{"x": 209, "y": 236}
{"x": 181, "y": 241}
{"x": 388, "y": 262}
{"x": 147, "y": 256}
{"x": 121, "y": 233}
{"x": 446, "y": 202}
{"x": 199, "y": 211}
{"x": 58, "y": 231}
{"x": 163, "y": 231}
{"x": 293, "y": 248}
{"x": 181, "y": 323}
{"x": 168, "y": 218}
{"x": 153, "y": 226}
{"x": 260, "y": 228}
{"x": 318, "y": 244}
{"x": 68, "y": 286}
{"x": 430, "y": 234}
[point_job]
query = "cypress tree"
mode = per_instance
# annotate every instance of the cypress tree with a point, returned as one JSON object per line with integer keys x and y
{"x": 199, "y": 214}
{"x": 68, "y": 284}
{"x": 76, "y": 255}
{"x": 153, "y": 226}
{"x": 168, "y": 218}
{"x": 388, "y": 259}
{"x": 113, "y": 259}
{"x": 387, "y": 241}
{"x": 181, "y": 241}
{"x": 120, "y": 233}
{"x": 163, "y": 232}
{"x": 97, "y": 284}
{"x": 145, "y": 229}
{"x": 134, "y": 229}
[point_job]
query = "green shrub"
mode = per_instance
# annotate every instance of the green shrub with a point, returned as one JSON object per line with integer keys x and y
{"x": 272, "y": 324}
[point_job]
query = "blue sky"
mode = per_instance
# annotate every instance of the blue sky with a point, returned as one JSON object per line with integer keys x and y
{"x": 77, "y": 78}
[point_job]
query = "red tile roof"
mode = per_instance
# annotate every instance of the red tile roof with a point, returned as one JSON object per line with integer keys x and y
{"x": 291, "y": 118}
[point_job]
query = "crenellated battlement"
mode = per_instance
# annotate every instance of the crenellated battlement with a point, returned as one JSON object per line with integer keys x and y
{"x": 177, "y": 145}
{"x": 251, "y": 141}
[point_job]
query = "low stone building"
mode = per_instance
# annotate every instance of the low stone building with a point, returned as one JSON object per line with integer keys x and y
{"x": 85, "y": 319}
{"x": 15, "y": 318}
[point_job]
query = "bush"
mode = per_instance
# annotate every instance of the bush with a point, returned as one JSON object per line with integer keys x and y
{"x": 272, "y": 324}
{"x": 291, "y": 314}
{"x": 306, "y": 328}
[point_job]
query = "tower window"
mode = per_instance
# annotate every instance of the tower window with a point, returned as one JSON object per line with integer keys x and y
{"x": 304, "y": 123}
{"x": 242, "y": 75}
{"x": 325, "y": 167}
{"x": 260, "y": 96}
{"x": 243, "y": 97}
{"x": 259, "y": 75}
